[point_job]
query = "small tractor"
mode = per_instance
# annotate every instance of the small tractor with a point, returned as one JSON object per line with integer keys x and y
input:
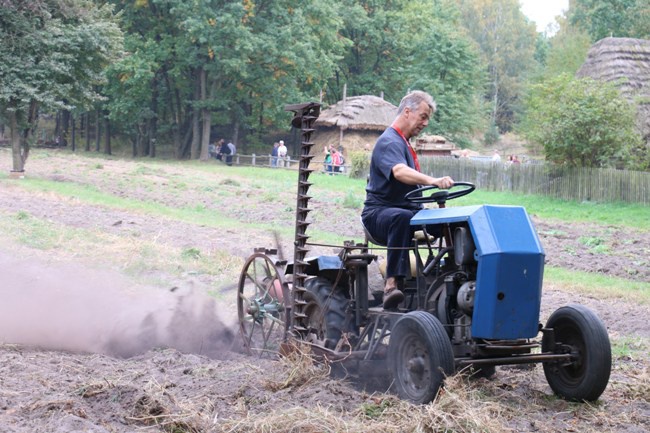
{"x": 471, "y": 303}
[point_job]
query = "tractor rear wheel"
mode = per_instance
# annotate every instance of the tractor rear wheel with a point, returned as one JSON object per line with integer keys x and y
{"x": 578, "y": 331}
{"x": 325, "y": 310}
{"x": 420, "y": 356}
{"x": 263, "y": 298}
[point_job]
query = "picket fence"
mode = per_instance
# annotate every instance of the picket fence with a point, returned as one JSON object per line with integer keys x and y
{"x": 580, "y": 184}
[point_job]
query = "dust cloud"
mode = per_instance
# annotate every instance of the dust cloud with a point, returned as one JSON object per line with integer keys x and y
{"x": 69, "y": 307}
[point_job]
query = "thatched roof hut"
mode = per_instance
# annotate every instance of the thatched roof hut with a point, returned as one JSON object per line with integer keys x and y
{"x": 353, "y": 122}
{"x": 365, "y": 112}
{"x": 433, "y": 145}
{"x": 627, "y": 62}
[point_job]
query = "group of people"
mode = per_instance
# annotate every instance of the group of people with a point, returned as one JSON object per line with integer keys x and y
{"x": 333, "y": 160}
{"x": 278, "y": 153}
{"x": 512, "y": 159}
{"x": 222, "y": 151}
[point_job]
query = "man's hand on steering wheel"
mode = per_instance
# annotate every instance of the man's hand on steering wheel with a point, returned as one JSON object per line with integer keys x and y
{"x": 439, "y": 197}
{"x": 445, "y": 182}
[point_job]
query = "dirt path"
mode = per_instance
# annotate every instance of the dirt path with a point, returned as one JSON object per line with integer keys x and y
{"x": 78, "y": 381}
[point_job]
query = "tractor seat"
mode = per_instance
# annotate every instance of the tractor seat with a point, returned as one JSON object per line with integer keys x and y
{"x": 369, "y": 238}
{"x": 419, "y": 236}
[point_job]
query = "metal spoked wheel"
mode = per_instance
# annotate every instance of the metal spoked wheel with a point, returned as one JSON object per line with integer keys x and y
{"x": 263, "y": 301}
{"x": 579, "y": 332}
{"x": 420, "y": 356}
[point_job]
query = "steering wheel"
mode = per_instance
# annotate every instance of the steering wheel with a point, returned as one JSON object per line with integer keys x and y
{"x": 441, "y": 196}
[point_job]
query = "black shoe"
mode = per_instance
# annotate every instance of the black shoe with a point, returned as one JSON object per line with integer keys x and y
{"x": 392, "y": 299}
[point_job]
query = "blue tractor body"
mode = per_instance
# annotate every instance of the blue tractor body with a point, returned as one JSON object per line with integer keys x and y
{"x": 510, "y": 267}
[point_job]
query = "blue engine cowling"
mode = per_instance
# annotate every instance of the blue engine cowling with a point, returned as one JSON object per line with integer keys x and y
{"x": 510, "y": 267}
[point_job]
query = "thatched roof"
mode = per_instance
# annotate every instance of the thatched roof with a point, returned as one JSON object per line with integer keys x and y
{"x": 627, "y": 62}
{"x": 359, "y": 112}
{"x": 433, "y": 143}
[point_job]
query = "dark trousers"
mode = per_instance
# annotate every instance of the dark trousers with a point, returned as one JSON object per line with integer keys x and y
{"x": 391, "y": 226}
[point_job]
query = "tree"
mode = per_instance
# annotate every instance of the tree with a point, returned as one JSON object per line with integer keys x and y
{"x": 234, "y": 64}
{"x": 444, "y": 61}
{"x": 581, "y": 122}
{"x": 507, "y": 41}
{"x": 568, "y": 50}
{"x": 53, "y": 53}
{"x": 611, "y": 18}
{"x": 381, "y": 41}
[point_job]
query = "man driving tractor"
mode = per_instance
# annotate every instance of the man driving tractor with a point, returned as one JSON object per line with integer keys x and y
{"x": 394, "y": 172}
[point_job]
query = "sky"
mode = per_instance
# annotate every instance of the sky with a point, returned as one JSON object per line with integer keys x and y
{"x": 543, "y": 12}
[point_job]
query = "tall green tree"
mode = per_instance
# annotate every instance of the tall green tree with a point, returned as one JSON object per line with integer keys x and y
{"x": 567, "y": 50}
{"x": 507, "y": 41}
{"x": 53, "y": 54}
{"x": 444, "y": 61}
{"x": 405, "y": 45}
{"x": 581, "y": 122}
{"x": 230, "y": 63}
{"x": 379, "y": 34}
{"x": 611, "y": 18}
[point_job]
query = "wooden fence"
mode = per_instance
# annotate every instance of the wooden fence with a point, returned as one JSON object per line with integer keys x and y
{"x": 286, "y": 163}
{"x": 580, "y": 184}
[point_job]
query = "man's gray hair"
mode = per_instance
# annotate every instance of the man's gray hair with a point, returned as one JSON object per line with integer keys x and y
{"x": 413, "y": 100}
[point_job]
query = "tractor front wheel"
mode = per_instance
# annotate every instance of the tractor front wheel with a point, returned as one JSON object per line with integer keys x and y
{"x": 420, "y": 356}
{"x": 579, "y": 332}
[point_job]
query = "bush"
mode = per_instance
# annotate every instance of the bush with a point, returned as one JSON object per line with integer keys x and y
{"x": 359, "y": 162}
{"x": 491, "y": 135}
{"x": 581, "y": 122}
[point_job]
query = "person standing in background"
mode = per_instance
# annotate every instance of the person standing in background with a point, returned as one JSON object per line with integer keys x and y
{"x": 327, "y": 160}
{"x": 274, "y": 155}
{"x": 282, "y": 153}
{"x": 336, "y": 160}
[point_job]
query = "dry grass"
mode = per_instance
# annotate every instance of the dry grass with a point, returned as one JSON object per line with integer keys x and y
{"x": 301, "y": 369}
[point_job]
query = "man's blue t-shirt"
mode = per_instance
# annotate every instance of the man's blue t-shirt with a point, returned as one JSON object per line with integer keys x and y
{"x": 383, "y": 190}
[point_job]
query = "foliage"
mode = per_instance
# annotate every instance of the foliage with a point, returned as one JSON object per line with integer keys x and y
{"x": 53, "y": 56}
{"x": 611, "y": 18}
{"x": 567, "y": 52}
{"x": 491, "y": 135}
{"x": 359, "y": 164}
{"x": 446, "y": 63}
{"x": 237, "y": 62}
{"x": 375, "y": 30}
{"x": 507, "y": 41}
{"x": 581, "y": 122}
{"x": 387, "y": 57}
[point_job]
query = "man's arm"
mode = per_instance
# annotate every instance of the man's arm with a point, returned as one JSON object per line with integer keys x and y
{"x": 407, "y": 175}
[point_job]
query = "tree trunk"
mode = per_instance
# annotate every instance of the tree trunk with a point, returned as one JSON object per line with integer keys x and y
{"x": 186, "y": 140}
{"x": 175, "y": 107}
{"x": 87, "y": 130}
{"x": 16, "y": 148}
{"x": 206, "y": 115}
{"x": 153, "y": 128}
{"x": 235, "y": 133}
{"x": 73, "y": 144}
{"x": 98, "y": 130}
{"x": 107, "y": 142}
{"x": 196, "y": 131}
{"x": 57, "y": 127}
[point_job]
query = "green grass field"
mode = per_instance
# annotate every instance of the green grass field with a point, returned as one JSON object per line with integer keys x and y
{"x": 192, "y": 177}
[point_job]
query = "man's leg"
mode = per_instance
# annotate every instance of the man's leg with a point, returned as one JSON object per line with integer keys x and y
{"x": 391, "y": 226}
